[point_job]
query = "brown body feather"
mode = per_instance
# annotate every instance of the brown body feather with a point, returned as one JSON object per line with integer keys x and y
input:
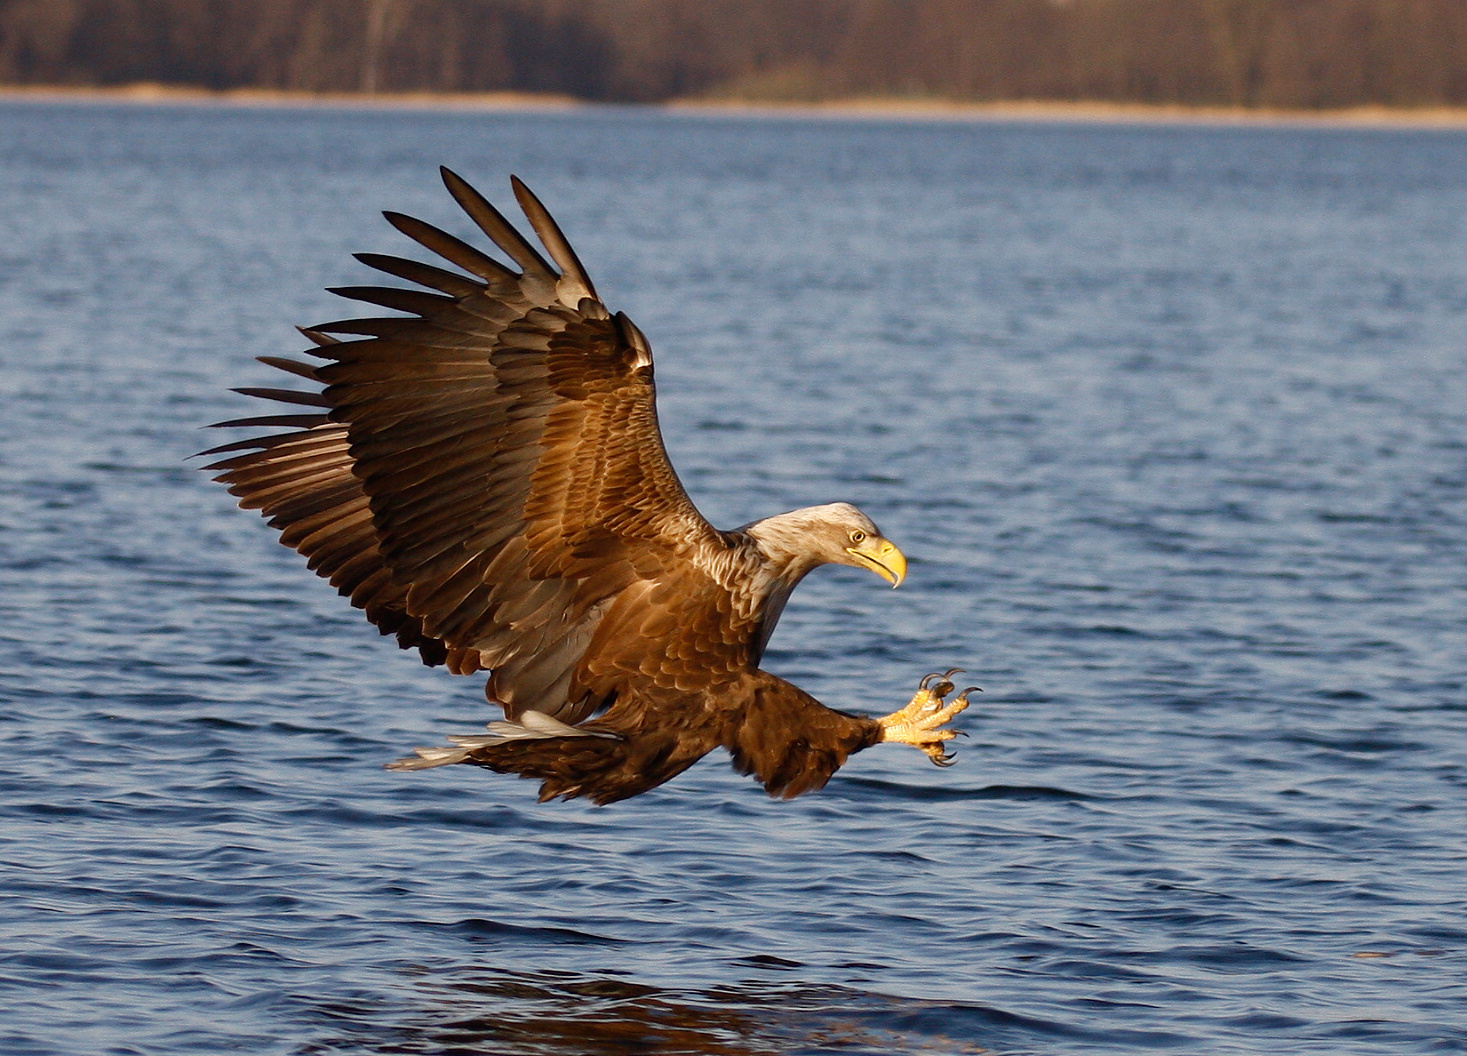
{"x": 488, "y": 482}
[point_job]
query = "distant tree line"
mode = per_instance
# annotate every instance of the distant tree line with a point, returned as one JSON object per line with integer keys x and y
{"x": 1254, "y": 53}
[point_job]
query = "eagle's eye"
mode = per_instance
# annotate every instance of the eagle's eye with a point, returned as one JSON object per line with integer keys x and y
{"x": 858, "y": 536}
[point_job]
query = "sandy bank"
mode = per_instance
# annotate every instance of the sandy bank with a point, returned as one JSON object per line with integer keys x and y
{"x": 855, "y": 109}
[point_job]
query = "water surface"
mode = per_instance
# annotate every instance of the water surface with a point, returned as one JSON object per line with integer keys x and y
{"x": 1171, "y": 421}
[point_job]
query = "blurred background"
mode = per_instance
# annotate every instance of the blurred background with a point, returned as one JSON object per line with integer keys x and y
{"x": 1310, "y": 54}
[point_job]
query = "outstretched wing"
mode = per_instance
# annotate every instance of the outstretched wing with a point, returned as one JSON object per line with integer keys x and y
{"x": 484, "y": 474}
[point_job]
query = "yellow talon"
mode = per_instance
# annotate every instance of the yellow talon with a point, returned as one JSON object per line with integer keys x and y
{"x": 920, "y": 722}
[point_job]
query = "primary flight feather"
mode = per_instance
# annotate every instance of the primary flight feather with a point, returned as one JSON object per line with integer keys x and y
{"x": 484, "y": 476}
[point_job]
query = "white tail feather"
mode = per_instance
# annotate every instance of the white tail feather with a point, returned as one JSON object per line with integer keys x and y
{"x": 430, "y": 757}
{"x": 532, "y": 725}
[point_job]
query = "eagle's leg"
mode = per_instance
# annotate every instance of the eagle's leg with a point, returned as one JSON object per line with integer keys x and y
{"x": 920, "y": 722}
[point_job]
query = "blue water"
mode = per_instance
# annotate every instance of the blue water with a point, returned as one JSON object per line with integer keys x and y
{"x": 1171, "y": 421}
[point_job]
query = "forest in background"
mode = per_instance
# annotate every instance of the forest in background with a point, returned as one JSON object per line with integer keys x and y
{"x": 1295, "y": 54}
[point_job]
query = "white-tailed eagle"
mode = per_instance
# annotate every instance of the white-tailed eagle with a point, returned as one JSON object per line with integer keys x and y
{"x": 484, "y": 476}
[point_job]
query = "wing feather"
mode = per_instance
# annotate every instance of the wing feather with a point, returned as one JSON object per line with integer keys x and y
{"x": 423, "y": 274}
{"x": 492, "y": 222}
{"x": 303, "y": 483}
{"x": 554, "y": 239}
{"x": 449, "y": 248}
{"x": 290, "y": 366}
{"x": 396, "y": 298}
{"x": 489, "y": 481}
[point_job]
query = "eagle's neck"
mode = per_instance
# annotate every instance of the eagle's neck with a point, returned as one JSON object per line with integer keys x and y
{"x": 783, "y": 546}
{"x": 782, "y": 557}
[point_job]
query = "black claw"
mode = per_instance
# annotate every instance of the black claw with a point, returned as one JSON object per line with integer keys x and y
{"x": 942, "y": 689}
{"x": 945, "y": 759}
{"x": 927, "y": 679}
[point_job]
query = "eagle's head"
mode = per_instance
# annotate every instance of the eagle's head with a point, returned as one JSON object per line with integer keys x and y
{"x": 834, "y": 534}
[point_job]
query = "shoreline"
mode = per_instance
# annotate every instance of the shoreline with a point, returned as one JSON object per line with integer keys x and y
{"x": 878, "y": 108}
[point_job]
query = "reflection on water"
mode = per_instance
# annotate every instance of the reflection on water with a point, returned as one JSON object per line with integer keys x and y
{"x": 561, "y": 1014}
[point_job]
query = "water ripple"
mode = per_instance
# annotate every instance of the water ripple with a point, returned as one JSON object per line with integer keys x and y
{"x": 1181, "y": 478}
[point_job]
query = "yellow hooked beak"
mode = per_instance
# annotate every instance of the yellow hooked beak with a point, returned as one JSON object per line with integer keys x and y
{"x": 881, "y": 557}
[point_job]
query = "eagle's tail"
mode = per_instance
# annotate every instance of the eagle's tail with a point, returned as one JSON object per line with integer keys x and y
{"x": 569, "y": 761}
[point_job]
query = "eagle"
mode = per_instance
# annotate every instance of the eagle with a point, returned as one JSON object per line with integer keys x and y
{"x": 484, "y": 476}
